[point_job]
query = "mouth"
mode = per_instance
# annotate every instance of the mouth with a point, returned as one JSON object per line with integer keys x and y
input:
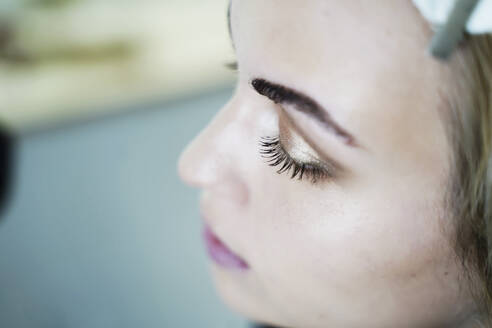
{"x": 220, "y": 253}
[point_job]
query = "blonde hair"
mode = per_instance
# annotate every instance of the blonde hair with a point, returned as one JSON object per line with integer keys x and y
{"x": 470, "y": 191}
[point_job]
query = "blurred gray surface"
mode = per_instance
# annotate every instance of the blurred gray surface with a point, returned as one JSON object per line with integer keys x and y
{"x": 102, "y": 233}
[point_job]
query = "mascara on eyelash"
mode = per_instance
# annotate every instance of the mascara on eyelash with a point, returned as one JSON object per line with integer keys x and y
{"x": 275, "y": 155}
{"x": 273, "y": 151}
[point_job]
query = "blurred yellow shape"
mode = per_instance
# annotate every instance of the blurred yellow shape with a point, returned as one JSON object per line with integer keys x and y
{"x": 90, "y": 57}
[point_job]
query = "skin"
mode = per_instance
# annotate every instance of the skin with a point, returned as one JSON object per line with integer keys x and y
{"x": 368, "y": 247}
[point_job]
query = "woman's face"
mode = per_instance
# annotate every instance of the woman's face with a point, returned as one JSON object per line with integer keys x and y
{"x": 366, "y": 244}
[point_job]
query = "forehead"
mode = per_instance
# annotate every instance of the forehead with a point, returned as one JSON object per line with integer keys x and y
{"x": 364, "y": 60}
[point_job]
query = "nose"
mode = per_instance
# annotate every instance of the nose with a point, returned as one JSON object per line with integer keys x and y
{"x": 212, "y": 160}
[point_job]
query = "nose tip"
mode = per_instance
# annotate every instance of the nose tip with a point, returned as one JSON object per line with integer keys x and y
{"x": 209, "y": 173}
{"x": 187, "y": 167}
{"x": 198, "y": 163}
{"x": 212, "y": 161}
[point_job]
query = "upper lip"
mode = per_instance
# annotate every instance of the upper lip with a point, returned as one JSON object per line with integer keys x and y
{"x": 211, "y": 222}
{"x": 212, "y": 229}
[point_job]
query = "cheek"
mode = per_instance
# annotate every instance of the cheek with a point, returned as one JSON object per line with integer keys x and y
{"x": 326, "y": 228}
{"x": 347, "y": 248}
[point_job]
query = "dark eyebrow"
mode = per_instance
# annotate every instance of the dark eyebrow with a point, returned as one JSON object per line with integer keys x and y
{"x": 283, "y": 95}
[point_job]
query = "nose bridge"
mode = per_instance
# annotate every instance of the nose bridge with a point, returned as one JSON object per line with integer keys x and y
{"x": 209, "y": 158}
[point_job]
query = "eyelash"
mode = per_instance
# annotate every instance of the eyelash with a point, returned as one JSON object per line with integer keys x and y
{"x": 275, "y": 154}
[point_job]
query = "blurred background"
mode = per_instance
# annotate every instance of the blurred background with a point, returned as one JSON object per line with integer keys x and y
{"x": 97, "y": 100}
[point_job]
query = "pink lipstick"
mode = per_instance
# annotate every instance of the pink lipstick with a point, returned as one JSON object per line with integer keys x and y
{"x": 220, "y": 253}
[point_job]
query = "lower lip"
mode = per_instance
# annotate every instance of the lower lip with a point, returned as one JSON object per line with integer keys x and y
{"x": 219, "y": 252}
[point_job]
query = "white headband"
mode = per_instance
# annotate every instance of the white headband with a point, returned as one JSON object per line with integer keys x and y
{"x": 437, "y": 12}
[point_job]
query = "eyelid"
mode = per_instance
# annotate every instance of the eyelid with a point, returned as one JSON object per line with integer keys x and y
{"x": 285, "y": 118}
{"x": 328, "y": 165}
{"x": 288, "y": 126}
{"x": 317, "y": 167}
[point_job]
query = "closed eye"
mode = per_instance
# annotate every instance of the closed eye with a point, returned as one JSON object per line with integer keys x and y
{"x": 275, "y": 155}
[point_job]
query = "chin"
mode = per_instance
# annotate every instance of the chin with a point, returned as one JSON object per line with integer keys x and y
{"x": 237, "y": 293}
